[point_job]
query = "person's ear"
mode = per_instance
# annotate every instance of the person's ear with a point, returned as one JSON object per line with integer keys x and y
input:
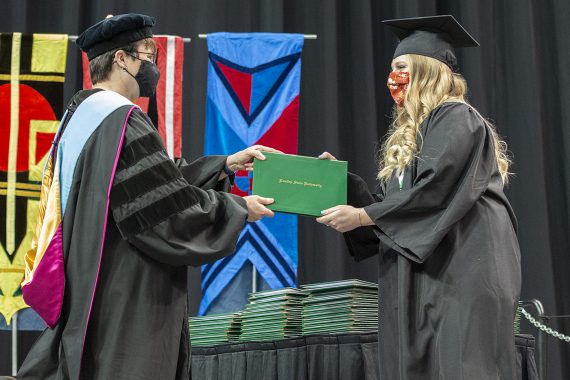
{"x": 120, "y": 58}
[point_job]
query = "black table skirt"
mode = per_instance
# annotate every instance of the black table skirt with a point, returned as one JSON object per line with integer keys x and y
{"x": 316, "y": 357}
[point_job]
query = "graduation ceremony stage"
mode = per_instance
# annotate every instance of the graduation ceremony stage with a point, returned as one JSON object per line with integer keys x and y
{"x": 303, "y": 77}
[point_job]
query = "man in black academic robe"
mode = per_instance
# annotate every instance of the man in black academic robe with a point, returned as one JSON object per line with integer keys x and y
{"x": 124, "y": 313}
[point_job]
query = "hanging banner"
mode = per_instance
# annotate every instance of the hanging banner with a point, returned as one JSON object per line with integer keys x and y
{"x": 32, "y": 69}
{"x": 165, "y": 108}
{"x": 253, "y": 98}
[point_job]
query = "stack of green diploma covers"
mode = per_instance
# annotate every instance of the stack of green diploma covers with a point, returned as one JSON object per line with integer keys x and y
{"x": 215, "y": 329}
{"x": 300, "y": 185}
{"x": 272, "y": 315}
{"x": 349, "y": 306}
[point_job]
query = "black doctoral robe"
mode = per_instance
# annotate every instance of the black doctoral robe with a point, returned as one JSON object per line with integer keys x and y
{"x": 124, "y": 313}
{"x": 449, "y": 276}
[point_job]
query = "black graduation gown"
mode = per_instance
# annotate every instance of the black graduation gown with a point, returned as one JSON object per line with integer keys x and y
{"x": 124, "y": 314}
{"x": 449, "y": 276}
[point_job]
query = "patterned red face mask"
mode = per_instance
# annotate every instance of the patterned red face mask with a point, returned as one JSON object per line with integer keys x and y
{"x": 398, "y": 84}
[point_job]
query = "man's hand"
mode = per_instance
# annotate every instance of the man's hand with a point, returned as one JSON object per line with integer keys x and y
{"x": 243, "y": 160}
{"x": 256, "y": 207}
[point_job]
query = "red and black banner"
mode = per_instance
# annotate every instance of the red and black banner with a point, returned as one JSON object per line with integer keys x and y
{"x": 165, "y": 108}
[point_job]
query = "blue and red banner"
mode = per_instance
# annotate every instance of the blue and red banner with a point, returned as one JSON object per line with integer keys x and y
{"x": 253, "y": 98}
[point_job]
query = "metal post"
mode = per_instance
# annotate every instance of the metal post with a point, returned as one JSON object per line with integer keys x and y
{"x": 15, "y": 344}
{"x": 542, "y": 343}
{"x": 186, "y": 40}
{"x": 253, "y": 279}
{"x": 306, "y": 36}
{"x": 541, "y": 340}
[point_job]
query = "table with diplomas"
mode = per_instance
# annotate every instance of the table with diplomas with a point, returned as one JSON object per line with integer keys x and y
{"x": 319, "y": 331}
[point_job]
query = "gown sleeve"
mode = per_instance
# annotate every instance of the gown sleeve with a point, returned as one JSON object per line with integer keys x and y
{"x": 158, "y": 211}
{"x": 454, "y": 168}
{"x": 362, "y": 242}
{"x": 205, "y": 173}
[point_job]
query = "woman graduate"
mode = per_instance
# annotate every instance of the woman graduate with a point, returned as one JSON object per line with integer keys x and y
{"x": 446, "y": 235}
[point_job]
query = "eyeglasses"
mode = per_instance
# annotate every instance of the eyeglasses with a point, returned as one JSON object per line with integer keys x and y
{"x": 151, "y": 57}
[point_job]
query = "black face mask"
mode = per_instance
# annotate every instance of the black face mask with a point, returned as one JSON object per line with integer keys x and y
{"x": 147, "y": 77}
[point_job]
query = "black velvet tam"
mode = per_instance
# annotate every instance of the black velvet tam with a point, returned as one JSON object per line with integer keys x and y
{"x": 434, "y": 36}
{"x": 115, "y": 32}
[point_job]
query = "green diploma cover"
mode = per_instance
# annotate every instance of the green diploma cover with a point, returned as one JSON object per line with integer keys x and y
{"x": 300, "y": 185}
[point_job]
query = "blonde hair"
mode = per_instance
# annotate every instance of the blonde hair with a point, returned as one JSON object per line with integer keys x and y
{"x": 432, "y": 83}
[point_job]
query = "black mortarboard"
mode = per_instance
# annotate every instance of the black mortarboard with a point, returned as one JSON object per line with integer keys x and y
{"x": 434, "y": 36}
{"x": 115, "y": 32}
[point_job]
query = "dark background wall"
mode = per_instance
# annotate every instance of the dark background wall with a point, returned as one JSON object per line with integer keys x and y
{"x": 519, "y": 78}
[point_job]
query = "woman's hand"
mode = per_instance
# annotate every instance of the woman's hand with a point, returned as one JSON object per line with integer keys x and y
{"x": 327, "y": 156}
{"x": 256, "y": 207}
{"x": 243, "y": 160}
{"x": 345, "y": 218}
